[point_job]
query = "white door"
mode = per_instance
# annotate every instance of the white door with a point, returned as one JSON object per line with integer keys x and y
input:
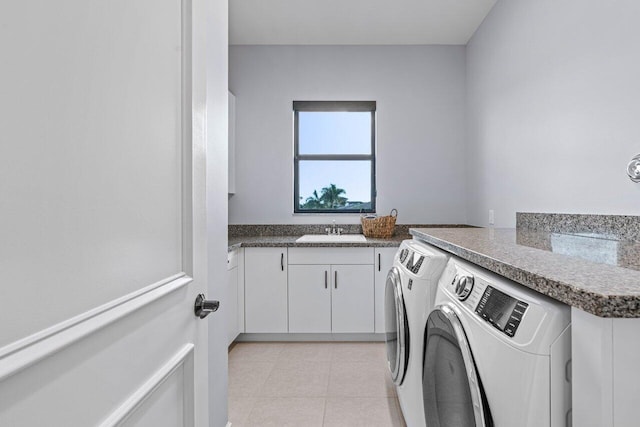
{"x": 352, "y": 298}
{"x": 103, "y": 233}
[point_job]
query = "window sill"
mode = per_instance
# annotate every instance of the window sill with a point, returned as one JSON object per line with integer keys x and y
{"x": 341, "y": 214}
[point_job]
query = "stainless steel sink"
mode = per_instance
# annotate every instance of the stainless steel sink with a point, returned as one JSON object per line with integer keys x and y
{"x": 332, "y": 238}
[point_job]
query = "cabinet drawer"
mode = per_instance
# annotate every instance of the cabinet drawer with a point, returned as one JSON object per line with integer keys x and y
{"x": 331, "y": 256}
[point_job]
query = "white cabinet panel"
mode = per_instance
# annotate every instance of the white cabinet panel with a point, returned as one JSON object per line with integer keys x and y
{"x": 232, "y": 259}
{"x": 265, "y": 290}
{"x": 352, "y": 298}
{"x": 234, "y": 307}
{"x": 604, "y": 372}
{"x": 309, "y": 298}
{"x": 384, "y": 261}
{"x": 230, "y": 309}
{"x": 241, "y": 263}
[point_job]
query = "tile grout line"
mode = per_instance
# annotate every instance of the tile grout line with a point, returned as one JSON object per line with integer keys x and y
{"x": 324, "y": 412}
{"x": 326, "y": 397}
{"x": 326, "y": 393}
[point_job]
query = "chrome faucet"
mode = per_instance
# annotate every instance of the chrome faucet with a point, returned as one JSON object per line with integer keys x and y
{"x": 333, "y": 230}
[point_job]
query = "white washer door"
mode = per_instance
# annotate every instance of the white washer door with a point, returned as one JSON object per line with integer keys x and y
{"x": 396, "y": 327}
{"x": 452, "y": 391}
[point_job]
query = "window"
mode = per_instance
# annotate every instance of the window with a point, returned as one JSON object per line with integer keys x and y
{"x": 334, "y": 156}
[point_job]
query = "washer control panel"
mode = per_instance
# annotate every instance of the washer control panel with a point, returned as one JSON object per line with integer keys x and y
{"x": 415, "y": 262}
{"x": 420, "y": 261}
{"x": 503, "y": 311}
{"x": 404, "y": 253}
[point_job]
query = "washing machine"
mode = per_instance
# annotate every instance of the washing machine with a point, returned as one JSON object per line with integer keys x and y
{"x": 409, "y": 292}
{"x": 496, "y": 353}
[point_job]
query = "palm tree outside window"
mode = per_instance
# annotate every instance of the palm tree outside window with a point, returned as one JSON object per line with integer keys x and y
{"x": 334, "y": 156}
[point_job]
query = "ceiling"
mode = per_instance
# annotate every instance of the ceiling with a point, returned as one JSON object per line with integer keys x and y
{"x": 343, "y": 22}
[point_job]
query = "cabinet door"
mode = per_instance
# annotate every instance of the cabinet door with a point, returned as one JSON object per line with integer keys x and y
{"x": 265, "y": 289}
{"x": 384, "y": 262}
{"x": 231, "y": 308}
{"x": 352, "y": 298}
{"x": 241, "y": 290}
{"x": 309, "y": 298}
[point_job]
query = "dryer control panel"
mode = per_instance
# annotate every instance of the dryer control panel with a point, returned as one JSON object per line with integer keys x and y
{"x": 496, "y": 307}
{"x": 501, "y": 310}
{"x": 507, "y": 310}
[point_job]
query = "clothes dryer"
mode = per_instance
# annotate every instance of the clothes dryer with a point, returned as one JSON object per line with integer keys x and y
{"x": 410, "y": 289}
{"x": 496, "y": 353}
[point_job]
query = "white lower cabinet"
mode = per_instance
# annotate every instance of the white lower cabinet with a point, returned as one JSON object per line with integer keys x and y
{"x": 384, "y": 261}
{"x": 231, "y": 307}
{"x": 265, "y": 290}
{"x": 327, "y": 295}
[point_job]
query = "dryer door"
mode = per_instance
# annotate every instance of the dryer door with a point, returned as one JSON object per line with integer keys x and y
{"x": 452, "y": 390}
{"x": 396, "y": 327}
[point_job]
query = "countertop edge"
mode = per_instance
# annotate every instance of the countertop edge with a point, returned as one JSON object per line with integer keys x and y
{"x": 606, "y": 306}
{"x": 290, "y": 242}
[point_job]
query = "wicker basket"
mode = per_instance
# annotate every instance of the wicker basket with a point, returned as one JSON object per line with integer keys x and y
{"x": 380, "y": 227}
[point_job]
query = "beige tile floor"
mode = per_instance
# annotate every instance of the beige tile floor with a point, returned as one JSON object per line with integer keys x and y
{"x": 311, "y": 384}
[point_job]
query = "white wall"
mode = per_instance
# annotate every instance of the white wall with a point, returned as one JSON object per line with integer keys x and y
{"x": 420, "y": 94}
{"x": 553, "y": 109}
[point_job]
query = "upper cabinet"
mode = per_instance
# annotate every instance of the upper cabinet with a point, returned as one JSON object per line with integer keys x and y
{"x": 232, "y": 144}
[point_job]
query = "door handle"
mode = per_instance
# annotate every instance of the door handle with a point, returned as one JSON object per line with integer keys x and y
{"x": 335, "y": 280}
{"x": 203, "y": 307}
{"x": 325, "y": 280}
{"x": 379, "y": 262}
{"x": 282, "y": 261}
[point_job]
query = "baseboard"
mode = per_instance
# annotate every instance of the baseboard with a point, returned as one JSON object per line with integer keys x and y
{"x": 253, "y": 337}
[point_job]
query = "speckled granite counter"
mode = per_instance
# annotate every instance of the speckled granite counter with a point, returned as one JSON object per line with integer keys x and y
{"x": 285, "y": 235}
{"x": 290, "y": 241}
{"x": 595, "y": 274}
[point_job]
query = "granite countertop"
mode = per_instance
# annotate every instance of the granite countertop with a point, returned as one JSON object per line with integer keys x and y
{"x": 589, "y": 271}
{"x": 290, "y": 241}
